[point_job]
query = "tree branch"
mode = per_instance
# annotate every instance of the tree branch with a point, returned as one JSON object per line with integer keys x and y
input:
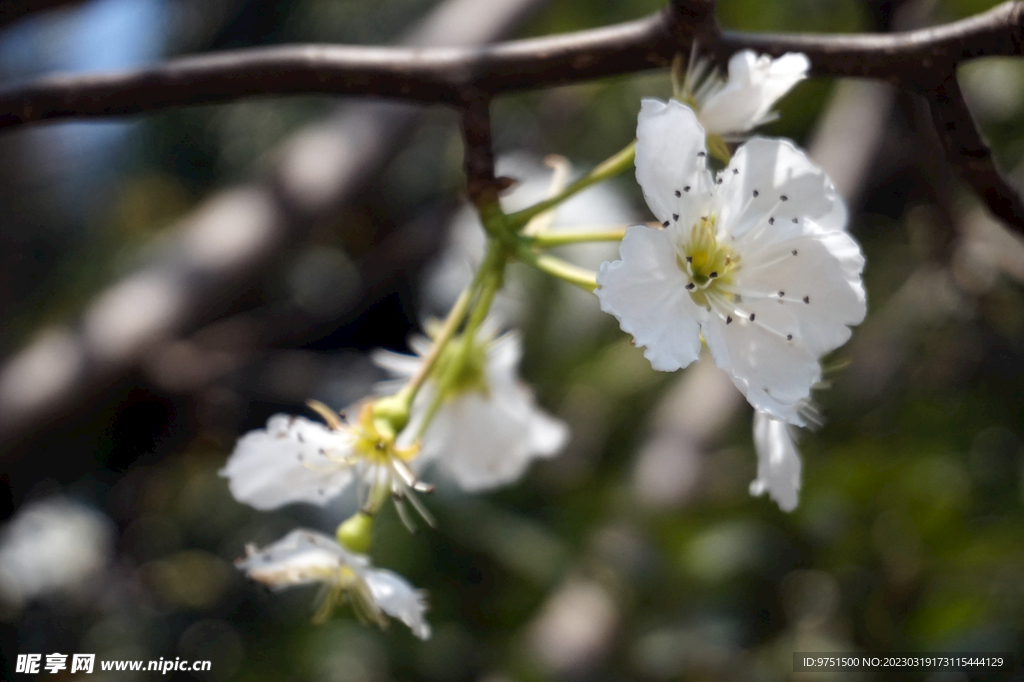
{"x": 969, "y": 154}
{"x": 448, "y": 74}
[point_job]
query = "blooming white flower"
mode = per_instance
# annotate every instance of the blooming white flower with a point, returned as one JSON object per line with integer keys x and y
{"x": 486, "y": 428}
{"x": 304, "y": 557}
{"x": 756, "y": 260}
{"x": 744, "y": 100}
{"x": 297, "y": 460}
{"x": 778, "y": 461}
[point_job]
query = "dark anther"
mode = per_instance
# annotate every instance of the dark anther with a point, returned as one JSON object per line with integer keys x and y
{"x": 784, "y": 198}
{"x": 678, "y": 193}
{"x": 714, "y": 273}
{"x": 796, "y": 220}
{"x": 807, "y": 299}
{"x": 728, "y": 319}
{"x": 299, "y": 436}
{"x": 789, "y": 337}
{"x": 756, "y": 193}
{"x": 794, "y": 252}
{"x": 689, "y": 259}
{"x": 781, "y": 294}
{"x": 689, "y": 287}
{"x": 771, "y": 221}
{"x": 752, "y": 316}
{"x": 701, "y": 155}
{"x": 665, "y": 224}
{"x": 735, "y": 171}
{"x": 321, "y": 451}
{"x": 675, "y": 216}
{"x": 686, "y": 189}
{"x": 719, "y": 181}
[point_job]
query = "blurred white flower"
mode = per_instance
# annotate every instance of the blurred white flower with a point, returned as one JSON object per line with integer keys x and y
{"x": 778, "y": 461}
{"x": 305, "y": 557}
{"x": 756, "y": 261}
{"x": 486, "y": 428}
{"x": 53, "y": 546}
{"x": 297, "y": 460}
{"x": 744, "y": 100}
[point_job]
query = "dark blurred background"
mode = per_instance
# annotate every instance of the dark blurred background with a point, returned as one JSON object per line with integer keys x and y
{"x": 635, "y": 555}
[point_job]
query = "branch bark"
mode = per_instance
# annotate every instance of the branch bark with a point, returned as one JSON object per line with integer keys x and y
{"x": 449, "y": 74}
{"x": 968, "y": 153}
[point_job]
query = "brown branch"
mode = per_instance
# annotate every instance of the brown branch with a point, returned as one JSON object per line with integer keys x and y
{"x": 481, "y": 185}
{"x": 447, "y": 74}
{"x": 969, "y": 154}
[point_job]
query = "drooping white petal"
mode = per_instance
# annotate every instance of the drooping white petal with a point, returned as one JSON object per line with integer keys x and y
{"x": 754, "y": 84}
{"x": 670, "y": 160}
{"x": 398, "y": 599}
{"x": 645, "y": 291}
{"x": 292, "y": 460}
{"x": 305, "y": 556}
{"x": 778, "y": 462}
{"x": 299, "y": 558}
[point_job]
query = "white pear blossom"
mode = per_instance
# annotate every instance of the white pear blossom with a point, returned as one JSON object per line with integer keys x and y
{"x": 295, "y": 459}
{"x": 778, "y": 461}
{"x": 744, "y": 100}
{"x": 755, "y": 260}
{"x": 486, "y": 427}
{"x": 306, "y": 557}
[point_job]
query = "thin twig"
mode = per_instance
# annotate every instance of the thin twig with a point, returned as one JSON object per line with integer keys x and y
{"x": 969, "y": 154}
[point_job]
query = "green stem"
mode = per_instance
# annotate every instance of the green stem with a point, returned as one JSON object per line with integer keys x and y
{"x": 719, "y": 149}
{"x": 556, "y": 267}
{"x": 491, "y": 273}
{"x": 547, "y": 240}
{"x": 608, "y": 169}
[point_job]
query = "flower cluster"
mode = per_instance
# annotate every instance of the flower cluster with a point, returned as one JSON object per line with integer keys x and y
{"x": 750, "y": 257}
{"x": 473, "y": 417}
{"x": 754, "y": 260}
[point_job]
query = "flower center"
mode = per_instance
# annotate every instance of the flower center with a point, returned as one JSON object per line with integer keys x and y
{"x": 708, "y": 264}
{"x": 375, "y": 441}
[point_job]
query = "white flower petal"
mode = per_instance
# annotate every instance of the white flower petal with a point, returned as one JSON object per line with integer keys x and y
{"x": 814, "y": 284}
{"x": 299, "y": 558}
{"x": 778, "y": 462}
{"x": 771, "y": 372}
{"x": 645, "y": 292}
{"x": 306, "y": 556}
{"x": 755, "y": 83}
{"x": 292, "y": 460}
{"x": 483, "y": 442}
{"x": 772, "y": 179}
{"x": 398, "y": 599}
{"x": 399, "y": 364}
{"x": 670, "y": 159}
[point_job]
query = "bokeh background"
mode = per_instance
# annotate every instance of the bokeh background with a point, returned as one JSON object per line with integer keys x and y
{"x": 638, "y": 553}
